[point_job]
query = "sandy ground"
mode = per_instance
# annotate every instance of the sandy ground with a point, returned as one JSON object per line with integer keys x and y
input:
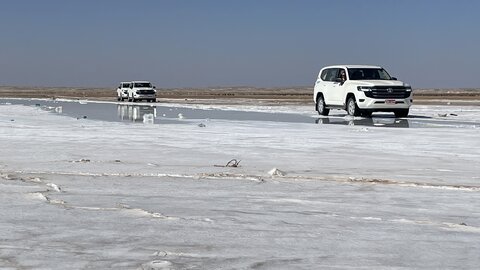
{"x": 234, "y": 95}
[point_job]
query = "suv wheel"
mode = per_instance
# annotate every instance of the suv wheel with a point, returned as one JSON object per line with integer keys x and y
{"x": 352, "y": 108}
{"x": 320, "y": 106}
{"x": 401, "y": 113}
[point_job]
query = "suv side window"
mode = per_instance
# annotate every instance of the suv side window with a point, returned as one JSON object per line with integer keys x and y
{"x": 323, "y": 75}
{"x": 338, "y": 73}
{"x": 331, "y": 74}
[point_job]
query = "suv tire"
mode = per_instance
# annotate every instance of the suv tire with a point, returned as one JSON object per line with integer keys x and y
{"x": 320, "y": 106}
{"x": 352, "y": 108}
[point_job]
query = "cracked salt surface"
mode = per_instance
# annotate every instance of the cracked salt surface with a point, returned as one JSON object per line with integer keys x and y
{"x": 77, "y": 194}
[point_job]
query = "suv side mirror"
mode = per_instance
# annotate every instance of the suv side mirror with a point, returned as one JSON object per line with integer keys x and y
{"x": 394, "y": 78}
{"x": 338, "y": 80}
{"x": 154, "y": 87}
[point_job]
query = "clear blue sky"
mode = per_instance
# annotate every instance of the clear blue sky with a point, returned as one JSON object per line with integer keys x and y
{"x": 238, "y": 42}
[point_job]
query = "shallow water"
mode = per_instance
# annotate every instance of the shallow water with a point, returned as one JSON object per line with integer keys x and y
{"x": 158, "y": 114}
{"x": 131, "y": 112}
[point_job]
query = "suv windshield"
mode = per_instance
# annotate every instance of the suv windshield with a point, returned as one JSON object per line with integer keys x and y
{"x": 126, "y": 85}
{"x": 368, "y": 74}
{"x": 148, "y": 85}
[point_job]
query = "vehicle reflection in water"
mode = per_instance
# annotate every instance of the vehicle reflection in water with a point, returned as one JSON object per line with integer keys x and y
{"x": 381, "y": 122}
{"x": 137, "y": 113}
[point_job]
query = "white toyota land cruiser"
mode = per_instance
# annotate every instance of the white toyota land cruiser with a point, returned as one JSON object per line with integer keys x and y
{"x": 361, "y": 90}
{"x": 142, "y": 90}
{"x": 122, "y": 91}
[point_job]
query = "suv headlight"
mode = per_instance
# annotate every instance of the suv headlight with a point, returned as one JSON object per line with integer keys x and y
{"x": 364, "y": 88}
{"x": 408, "y": 88}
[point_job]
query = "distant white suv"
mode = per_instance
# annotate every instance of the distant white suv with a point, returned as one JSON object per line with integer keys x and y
{"x": 122, "y": 91}
{"x": 142, "y": 90}
{"x": 361, "y": 90}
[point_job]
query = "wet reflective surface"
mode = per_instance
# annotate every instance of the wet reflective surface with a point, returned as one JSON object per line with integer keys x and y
{"x": 158, "y": 114}
{"x": 383, "y": 122}
{"x": 139, "y": 113}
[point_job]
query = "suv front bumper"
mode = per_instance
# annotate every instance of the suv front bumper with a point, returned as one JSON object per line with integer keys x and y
{"x": 370, "y": 103}
{"x": 139, "y": 96}
{"x": 364, "y": 102}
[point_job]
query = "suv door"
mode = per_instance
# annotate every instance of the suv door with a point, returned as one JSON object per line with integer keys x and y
{"x": 328, "y": 77}
{"x": 338, "y": 88}
{"x": 130, "y": 91}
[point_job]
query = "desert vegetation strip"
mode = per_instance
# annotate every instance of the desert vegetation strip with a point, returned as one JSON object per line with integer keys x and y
{"x": 280, "y": 94}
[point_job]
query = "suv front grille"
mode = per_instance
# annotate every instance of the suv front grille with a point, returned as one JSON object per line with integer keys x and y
{"x": 145, "y": 92}
{"x": 388, "y": 92}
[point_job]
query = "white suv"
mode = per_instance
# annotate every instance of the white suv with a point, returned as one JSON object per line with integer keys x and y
{"x": 122, "y": 91}
{"x": 361, "y": 90}
{"x": 142, "y": 90}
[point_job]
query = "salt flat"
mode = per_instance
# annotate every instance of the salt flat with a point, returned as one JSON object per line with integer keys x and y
{"x": 84, "y": 193}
